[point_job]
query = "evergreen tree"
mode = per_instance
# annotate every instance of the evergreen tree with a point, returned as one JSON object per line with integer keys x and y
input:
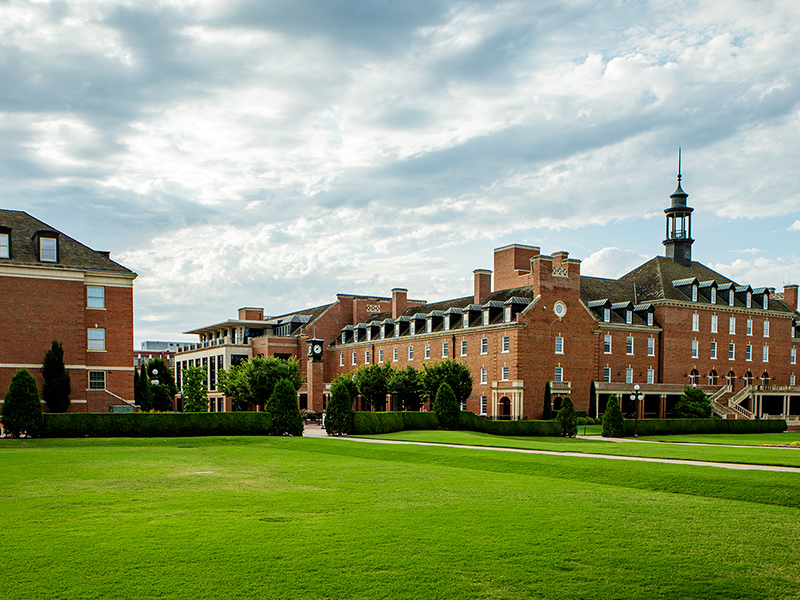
{"x": 593, "y": 400}
{"x": 339, "y": 414}
{"x": 455, "y": 374}
{"x": 253, "y": 381}
{"x": 22, "y": 412}
{"x": 163, "y": 392}
{"x": 195, "y": 390}
{"x": 57, "y": 387}
{"x": 372, "y": 382}
{"x": 403, "y": 385}
{"x": 547, "y": 413}
{"x": 142, "y": 395}
{"x": 613, "y": 421}
{"x": 567, "y": 418}
{"x": 693, "y": 404}
{"x": 282, "y": 405}
{"x": 445, "y": 405}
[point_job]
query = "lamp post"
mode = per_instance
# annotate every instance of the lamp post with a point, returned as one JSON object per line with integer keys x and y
{"x": 636, "y": 397}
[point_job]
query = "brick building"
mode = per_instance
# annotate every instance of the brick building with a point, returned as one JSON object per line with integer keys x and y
{"x": 52, "y": 287}
{"x": 668, "y": 323}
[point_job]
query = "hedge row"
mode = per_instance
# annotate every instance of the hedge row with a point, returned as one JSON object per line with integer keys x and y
{"x": 471, "y": 422}
{"x": 71, "y": 425}
{"x": 371, "y": 423}
{"x": 683, "y": 426}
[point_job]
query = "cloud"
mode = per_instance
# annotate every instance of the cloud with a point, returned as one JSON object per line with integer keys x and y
{"x": 611, "y": 262}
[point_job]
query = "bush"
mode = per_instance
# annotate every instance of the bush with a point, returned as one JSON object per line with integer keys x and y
{"x": 446, "y": 408}
{"x": 686, "y": 426}
{"x": 73, "y": 425}
{"x": 547, "y": 411}
{"x": 420, "y": 420}
{"x": 581, "y": 413}
{"x": 22, "y": 411}
{"x": 339, "y": 414}
{"x": 286, "y": 418}
{"x": 693, "y": 404}
{"x": 373, "y": 423}
{"x": 471, "y": 422}
{"x": 613, "y": 421}
{"x": 566, "y": 418}
{"x": 57, "y": 387}
{"x": 583, "y": 421}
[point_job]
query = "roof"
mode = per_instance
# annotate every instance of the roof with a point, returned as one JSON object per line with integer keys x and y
{"x": 71, "y": 253}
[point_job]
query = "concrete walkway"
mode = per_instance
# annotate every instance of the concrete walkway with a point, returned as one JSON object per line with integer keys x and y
{"x": 316, "y": 431}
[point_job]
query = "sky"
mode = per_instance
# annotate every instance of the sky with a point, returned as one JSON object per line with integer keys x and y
{"x": 274, "y": 153}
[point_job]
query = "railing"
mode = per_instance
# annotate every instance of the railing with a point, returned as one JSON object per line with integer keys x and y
{"x": 743, "y": 393}
{"x": 742, "y": 411}
{"x": 725, "y": 389}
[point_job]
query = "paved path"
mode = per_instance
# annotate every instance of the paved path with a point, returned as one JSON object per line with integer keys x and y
{"x": 315, "y": 431}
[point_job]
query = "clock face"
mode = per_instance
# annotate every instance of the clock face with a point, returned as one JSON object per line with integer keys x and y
{"x": 560, "y": 309}
{"x": 317, "y": 348}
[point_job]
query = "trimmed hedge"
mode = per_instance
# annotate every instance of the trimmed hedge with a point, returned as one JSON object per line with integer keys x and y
{"x": 420, "y": 420}
{"x": 71, "y": 425}
{"x": 371, "y": 423}
{"x": 684, "y": 426}
{"x": 471, "y": 422}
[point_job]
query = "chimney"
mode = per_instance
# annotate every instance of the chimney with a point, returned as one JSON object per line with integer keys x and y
{"x": 790, "y": 296}
{"x": 399, "y": 301}
{"x": 483, "y": 285}
{"x": 248, "y": 313}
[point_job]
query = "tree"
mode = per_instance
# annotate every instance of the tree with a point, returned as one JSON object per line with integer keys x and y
{"x": 282, "y": 405}
{"x": 613, "y": 421}
{"x": 164, "y": 391}
{"x": 693, "y": 404}
{"x": 445, "y": 405}
{"x": 455, "y": 374}
{"x": 57, "y": 387}
{"x": 253, "y": 381}
{"x": 22, "y": 412}
{"x": 567, "y": 418}
{"x": 195, "y": 390}
{"x": 593, "y": 400}
{"x": 403, "y": 385}
{"x": 547, "y": 413}
{"x": 339, "y": 414}
{"x": 372, "y": 382}
{"x": 142, "y": 396}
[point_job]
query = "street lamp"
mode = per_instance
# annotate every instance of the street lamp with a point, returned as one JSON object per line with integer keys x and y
{"x": 636, "y": 397}
{"x": 155, "y": 372}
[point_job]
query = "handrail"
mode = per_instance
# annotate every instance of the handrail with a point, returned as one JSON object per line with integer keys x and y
{"x": 725, "y": 389}
{"x": 742, "y": 411}
{"x": 743, "y": 393}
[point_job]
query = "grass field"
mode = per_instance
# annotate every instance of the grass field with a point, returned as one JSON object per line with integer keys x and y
{"x": 317, "y": 518}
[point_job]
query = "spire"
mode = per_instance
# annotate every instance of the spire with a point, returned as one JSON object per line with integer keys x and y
{"x": 679, "y": 190}
{"x": 679, "y": 240}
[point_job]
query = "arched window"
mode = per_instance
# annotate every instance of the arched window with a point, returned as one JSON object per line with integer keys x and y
{"x": 712, "y": 378}
{"x": 748, "y": 378}
{"x": 730, "y": 378}
{"x": 694, "y": 377}
{"x": 765, "y": 378}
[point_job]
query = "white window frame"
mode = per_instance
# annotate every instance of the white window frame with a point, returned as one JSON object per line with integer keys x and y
{"x": 694, "y": 293}
{"x": 749, "y": 300}
{"x": 506, "y": 344}
{"x": 695, "y": 349}
{"x": 5, "y": 246}
{"x": 629, "y": 375}
{"x": 395, "y": 354}
{"x": 427, "y": 351}
{"x": 651, "y": 375}
{"x": 505, "y": 373}
{"x": 412, "y": 328}
{"x": 607, "y": 374}
{"x": 748, "y": 352}
{"x": 714, "y": 321}
{"x": 411, "y": 353}
{"x": 484, "y": 345}
{"x": 629, "y": 346}
{"x": 507, "y": 314}
{"x": 93, "y": 385}
{"x": 558, "y": 374}
{"x": 766, "y": 329}
{"x": 484, "y": 404}
{"x": 628, "y": 317}
{"x": 45, "y": 249}
{"x": 465, "y": 320}
{"x": 651, "y": 346}
{"x": 95, "y": 299}
{"x": 380, "y": 355}
{"x": 791, "y": 379}
{"x": 732, "y": 325}
{"x": 731, "y": 351}
{"x": 445, "y": 349}
{"x": 341, "y": 359}
{"x": 765, "y": 354}
{"x": 485, "y": 317}
{"x": 463, "y": 347}
{"x": 96, "y": 339}
{"x": 354, "y": 359}
{"x": 484, "y": 375}
{"x": 649, "y": 319}
{"x": 713, "y": 350}
{"x": 713, "y": 295}
{"x": 606, "y": 315}
{"x": 731, "y": 298}
{"x": 366, "y": 357}
{"x": 695, "y": 322}
{"x": 607, "y": 344}
{"x": 749, "y": 329}
{"x": 429, "y": 324}
{"x": 793, "y": 356}
{"x": 559, "y": 343}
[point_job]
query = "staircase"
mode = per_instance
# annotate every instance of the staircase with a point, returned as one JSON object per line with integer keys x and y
{"x": 719, "y": 403}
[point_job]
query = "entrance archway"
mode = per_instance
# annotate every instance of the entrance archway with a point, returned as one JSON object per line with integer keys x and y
{"x": 505, "y": 407}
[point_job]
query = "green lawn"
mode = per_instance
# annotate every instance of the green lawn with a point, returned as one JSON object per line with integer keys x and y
{"x": 316, "y": 518}
{"x": 734, "y": 439}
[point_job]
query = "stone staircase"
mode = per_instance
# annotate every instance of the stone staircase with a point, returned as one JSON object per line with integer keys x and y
{"x": 724, "y": 405}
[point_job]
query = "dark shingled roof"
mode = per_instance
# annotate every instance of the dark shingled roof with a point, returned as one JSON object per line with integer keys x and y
{"x": 654, "y": 278}
{"x": 71, "y": 253}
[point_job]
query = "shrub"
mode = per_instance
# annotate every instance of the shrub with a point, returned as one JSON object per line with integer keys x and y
{"x": 339, "y": 415}
{"x": 613, "y": 421}
{"x": 372, "y": 423}
{"x": 471, "y": 422}
{"x": 547, "y": 411}
{"x": 454, "y": 374}
{"x": 282, "y": 404}
{"x": 73, "y": 425}
{"x": 583, "y": 421}
{"x": 195, "y": 389}
{"x": 593, "y": 400}
{"x": 57, "y": 387}
{"x": 419, "y": 420}
{"x": 372, "y": 382}
{"x": 566, "y": 418}
{"x": 22, "y": 411}
{"x": 446, "y": 408}
{"x": 693, "y": 404}
{"x": 687, "y": 426}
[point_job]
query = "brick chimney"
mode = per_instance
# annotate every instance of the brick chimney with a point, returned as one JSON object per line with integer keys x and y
{"x": 399, "y": 301}
{"x": 483, "y": 285}
{"x": 248, "y": 313}
{"x": 790, "y": 296}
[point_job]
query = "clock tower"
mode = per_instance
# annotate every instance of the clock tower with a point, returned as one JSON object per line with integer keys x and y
{"x": 315, "y": 374}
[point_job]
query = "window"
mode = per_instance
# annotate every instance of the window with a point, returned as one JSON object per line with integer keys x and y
{"x": 354, "y": 359}
{"x": 369, "y": 334}
{"x": 447, "y": 323}
{"x": 411, "y": 353}
{"x": 445, "y": 349}
{"x": 506, "y": 343}
{"x": 429, "y": 324}
{"x": 607, "y": 345}
{"x": 465, "y": 320}
{"x": 462, "y": 404}
{"x": 366, "y": 357}
{"x": 731, "y": 298}
{"x": 765, "y": 354}
{"x": 749, "y": 300}
{"x": 748, "y": 352}
{"x": 793, "y": 356}
{"x": 695, "y": 322}
{"x": 628, "y": 317}
{"x": 383, "y": 332}
{"x": 504, "y": 373}
{"x": 395, "y": 354}
{"x": 713, "y": 323}
{"x": 607, "y": 374}
{"x": 713, "y": 295}
{"x": 95, "y": 296}
{"x": 97, "y": 339}
{"x": 649, "y": 319}
{"x": 427, "y": 350}
{"x": 380, "y": 355}
{"x": 412, "y": 328}
{"x": 559, "y": 374}
{"x": 463, "y": 347}
{"x": 731, "y": 351}
{"x": 397, "y": 330}
{"x": 791, "y": 379}
{"x": 766, "y": 302}
{"x": 341, "y": 359}
{"x": 97, "y": 380}
{"x": 628, "y": 375}
{"x": 4, "y": 248}
{"x": 714, "y": 350}
{"x": 651, "y": 346}
{"x": 483, "y": 405}
{"x": 651, "y": 375}
{"x": 606, "y": 315}
{"x": 484, "y": 345}
{"x": 47, "y": 249}
{"x": 344, "y": 337}
{"x": 629, "y": 345}
{"x": 486, "y": 317}
{"x": 559, "y": 345}
{"x": 695, "y": 348}
{"x": 732, "y": 325}
{"x": 766, "y": 328}
{"x": 694, "y": 293}
{"x": 507, "y": 314}
{"x": 483, "y": 375}
{"x": 355, "y": 336}
{"x": 749, "y": 326}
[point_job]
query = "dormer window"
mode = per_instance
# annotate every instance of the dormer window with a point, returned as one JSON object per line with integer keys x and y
{"x": 766, "y": 302}
{"x": 397, "y": 330}
{"x": 507, "y": 314}
{"x": 694, "y": 293}
{"x": 465, "y": 320}
{"x": 5, "y": 251}
{"x": 730, "y": 298}
{"x": 48, "y": 249}
{"x": 628, "y": 317}
{"x": 447, "y": 323}
{"x": 486, "y": 317}
{"x": 429, "y": 324}
{"x": 355, "y": 336}
{"x": 749, "y": 302}
{"x": 606, "y": 315}
{"x": 713, "y": 295}
{"x": 412, "y": 328}
{"x": 649, "y": 319}
{"x": 344, "y": 337}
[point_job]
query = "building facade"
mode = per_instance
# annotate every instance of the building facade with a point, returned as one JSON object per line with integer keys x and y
{"x": 52, "y": 287}
{"x": 535, "y": 320}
